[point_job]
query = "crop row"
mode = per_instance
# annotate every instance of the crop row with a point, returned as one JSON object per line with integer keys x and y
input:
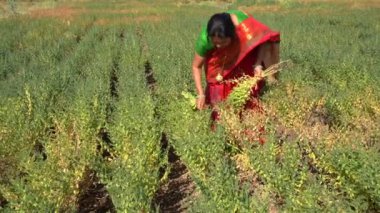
{"x": 86, "y": 99}
{"x": 55, "y": 116}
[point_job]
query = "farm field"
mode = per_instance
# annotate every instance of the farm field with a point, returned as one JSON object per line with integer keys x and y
{"x": 95, "y": 113}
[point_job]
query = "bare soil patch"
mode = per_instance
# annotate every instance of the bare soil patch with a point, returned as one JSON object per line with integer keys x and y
{"x": 93, "y": 195}
{"x": 3, "y": 202}
{"x": 175, "y": 195}
{"x": 350, "y": 3}
{"x": 260, "y": 8}
{"x": 130, "y": 20}
{"x": 69, "y": 13}
{"x": 306, "y": 9}
{"x": 59, "y": 12}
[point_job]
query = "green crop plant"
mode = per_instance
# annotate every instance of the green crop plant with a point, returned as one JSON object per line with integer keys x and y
{"x": 12, "y": 6}
{"x": 57, "y": 141}
{"x": 241, "y": 93}
{"x": 321, "y": 120}
{"x": 286, "y": 172}
{"x": 212, "y": 171}
{"x": 132, "y": 174}
{"x": 54, "y": 183}
{"x": 351, "y": 170}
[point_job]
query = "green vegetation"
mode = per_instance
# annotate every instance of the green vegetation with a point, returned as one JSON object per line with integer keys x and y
{"x": 96, "y": 88}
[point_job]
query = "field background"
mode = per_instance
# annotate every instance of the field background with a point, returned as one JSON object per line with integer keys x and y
{"x": 92, "y": 116}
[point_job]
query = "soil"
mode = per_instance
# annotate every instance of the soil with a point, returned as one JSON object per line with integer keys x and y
{"x": 175, "y": 194}
{"x": 93, "y": 195}
{"x": 150, "y": 80}
{"x": 319, "y": 115}
{"x": 105, "y": 145}
{"x": 250, "y": 179}
{"x": 3, "y": 202}
{"x": 283, "y": 134}
{"x": 59, "y": 12}
{"x": 114, "y": 79}
{"x": 38, "y": 152}
{"x": 130, "y": 20}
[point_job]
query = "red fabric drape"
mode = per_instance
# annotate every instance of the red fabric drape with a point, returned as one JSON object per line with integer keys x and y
{"x": 238, "y": 58}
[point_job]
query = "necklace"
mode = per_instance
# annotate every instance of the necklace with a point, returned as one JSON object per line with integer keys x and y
{"x": 219, "y": 76}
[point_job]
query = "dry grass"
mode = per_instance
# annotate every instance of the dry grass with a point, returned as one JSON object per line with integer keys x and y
{"x": 59, "y": 12}
{"x": 72, "y": 10}
{"x": 130, "y": 20}
{"x": 308, "y": 6}
{"x": 368, "y": 3}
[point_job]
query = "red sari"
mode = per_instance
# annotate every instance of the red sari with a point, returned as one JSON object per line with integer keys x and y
{"x": 238, "y": 59}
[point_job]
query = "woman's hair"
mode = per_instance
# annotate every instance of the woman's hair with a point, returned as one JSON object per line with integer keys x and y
{"x": 221, "y": 25}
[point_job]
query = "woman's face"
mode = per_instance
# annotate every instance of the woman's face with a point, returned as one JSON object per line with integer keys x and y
{"x": 220, "y": 42}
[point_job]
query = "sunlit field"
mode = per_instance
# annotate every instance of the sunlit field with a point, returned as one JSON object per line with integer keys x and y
{"x": 96, "y": 110}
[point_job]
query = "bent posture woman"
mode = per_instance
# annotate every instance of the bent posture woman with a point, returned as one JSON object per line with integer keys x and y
{"x": 233, "y": 44}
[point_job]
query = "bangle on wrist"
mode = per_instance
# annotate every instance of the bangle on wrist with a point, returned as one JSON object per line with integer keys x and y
{"x": 201, "y": 96}
{"x": 257, "y": 66}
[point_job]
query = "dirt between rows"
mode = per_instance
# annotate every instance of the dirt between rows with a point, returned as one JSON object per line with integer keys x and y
{"x": 3, "y": 202}
{"x": 176, "y": 194}
{"x": 93, "y": 195}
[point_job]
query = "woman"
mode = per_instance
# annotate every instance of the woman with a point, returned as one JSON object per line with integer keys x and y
{"x": 233, "y": 44}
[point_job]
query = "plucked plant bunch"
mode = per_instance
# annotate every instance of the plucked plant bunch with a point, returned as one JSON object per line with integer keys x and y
{"x": 241, "y": 93}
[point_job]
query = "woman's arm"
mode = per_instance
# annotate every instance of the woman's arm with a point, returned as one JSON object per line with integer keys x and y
{"x": 264, "y": 57}
{"x": 198, "y": 62}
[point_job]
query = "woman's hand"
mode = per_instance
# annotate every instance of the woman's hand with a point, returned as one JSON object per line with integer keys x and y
{"x": 201, "y": 102}
{"x": 258, "y": 72}
{"x": 197, "y": 70}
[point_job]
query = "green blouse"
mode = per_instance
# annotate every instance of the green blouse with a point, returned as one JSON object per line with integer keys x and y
{"x": 203, "y": 44}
